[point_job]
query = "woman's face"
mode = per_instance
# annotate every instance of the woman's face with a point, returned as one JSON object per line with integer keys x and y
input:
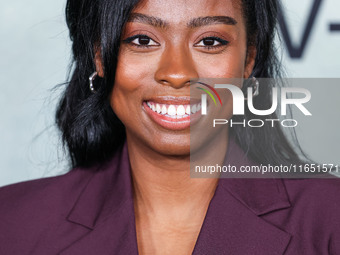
{"x": 164, "y": 45}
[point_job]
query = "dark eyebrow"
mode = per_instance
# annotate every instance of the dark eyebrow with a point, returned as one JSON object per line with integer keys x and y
{"x": 196, "y": 22}
{"x": 211, "y": 20}
{"x": 150, "y": 20}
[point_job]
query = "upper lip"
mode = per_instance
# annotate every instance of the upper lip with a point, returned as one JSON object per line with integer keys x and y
{"x": 174, "y": 100}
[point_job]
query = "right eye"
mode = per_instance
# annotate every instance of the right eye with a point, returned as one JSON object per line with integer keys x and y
{"x": 141, "y": 41}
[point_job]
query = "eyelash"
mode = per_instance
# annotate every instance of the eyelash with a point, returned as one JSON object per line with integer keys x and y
{"x": 209, "y": 47}
{"x": 132, "y": 38}
{"x": 221, "y": 41}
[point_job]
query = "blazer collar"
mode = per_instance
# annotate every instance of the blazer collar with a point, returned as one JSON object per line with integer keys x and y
{"x": 105, "y": 207}
{"x": 260, "y": 195}
{"x": 108, "y": 189}
{"x": 232, "y": 224}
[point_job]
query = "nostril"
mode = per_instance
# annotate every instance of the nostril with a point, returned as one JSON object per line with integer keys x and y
{"x": 163, "y": 82}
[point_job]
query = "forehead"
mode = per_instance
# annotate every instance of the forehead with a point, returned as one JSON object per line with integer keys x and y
{"x": 179, "y": 12}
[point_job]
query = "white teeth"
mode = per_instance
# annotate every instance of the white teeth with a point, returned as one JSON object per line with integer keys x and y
{"x": 193, "y": 109}
{"x": 187, "y": 110}
{"x": 164, "y": 110}
{"x": 158, "y": 108}
{"x": 172, "y": 110}
{"x": 180, "y": 110}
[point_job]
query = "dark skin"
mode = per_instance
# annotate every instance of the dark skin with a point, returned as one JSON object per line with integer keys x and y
{"x": 169, "y": 51}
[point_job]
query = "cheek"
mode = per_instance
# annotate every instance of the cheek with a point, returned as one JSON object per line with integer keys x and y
{"x": 230, "y": 64}
{"x": 130, "y": 73}
{"x": 124, "y": 97}
{"x": 132, "y": 78}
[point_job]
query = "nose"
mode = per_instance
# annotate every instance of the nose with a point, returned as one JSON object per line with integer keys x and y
{"x": 176, "y": 68}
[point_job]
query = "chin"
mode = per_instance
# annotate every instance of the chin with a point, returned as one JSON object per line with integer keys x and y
{"x": 172, "y": 146}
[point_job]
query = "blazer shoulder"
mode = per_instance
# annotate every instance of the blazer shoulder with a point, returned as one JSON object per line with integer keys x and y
{"x": 42, "y": 195}
{"x": 35, "y": 215}
{"x": 313, "y": 188}
{"x": 315, "y": 210}
{"x": 316, "y": 197}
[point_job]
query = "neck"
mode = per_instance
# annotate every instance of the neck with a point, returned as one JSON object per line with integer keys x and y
{"x": 162, "y": 183}
{"x": 170, "y": 207}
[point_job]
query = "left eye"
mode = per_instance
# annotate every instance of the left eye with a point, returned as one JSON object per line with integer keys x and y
{"x": 143, "y": 40}
{"x": 211, "y": 42}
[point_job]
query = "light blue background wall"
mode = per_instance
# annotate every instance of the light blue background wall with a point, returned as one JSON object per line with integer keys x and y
{"x": 35, "y": 53}
{"x": 318, "y": 135}
{"x": 34, "y": 57}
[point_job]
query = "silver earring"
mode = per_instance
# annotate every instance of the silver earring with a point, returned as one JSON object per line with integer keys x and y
{"x": 91, "y": 79}
{"x": 256, "y": 87}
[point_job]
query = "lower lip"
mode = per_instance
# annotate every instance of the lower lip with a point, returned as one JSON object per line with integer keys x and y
{"x": 171, "y": 123}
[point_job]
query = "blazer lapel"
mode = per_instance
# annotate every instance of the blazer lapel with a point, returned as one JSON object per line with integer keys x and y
{"x": 105, "y": 207}
{"x": 115, "y": 235}
{"x": 233, "y": 226}
{"x": 233, "y": 223}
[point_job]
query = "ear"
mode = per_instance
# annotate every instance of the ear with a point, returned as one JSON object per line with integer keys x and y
{"x": 99, "y": 62}
{"x": 250, "y": 61}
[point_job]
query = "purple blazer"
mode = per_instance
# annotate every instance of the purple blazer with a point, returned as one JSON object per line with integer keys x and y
{"x": 90, "y": 212}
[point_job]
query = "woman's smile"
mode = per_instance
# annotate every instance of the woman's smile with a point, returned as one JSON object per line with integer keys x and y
{"x": 174, "y": 113}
